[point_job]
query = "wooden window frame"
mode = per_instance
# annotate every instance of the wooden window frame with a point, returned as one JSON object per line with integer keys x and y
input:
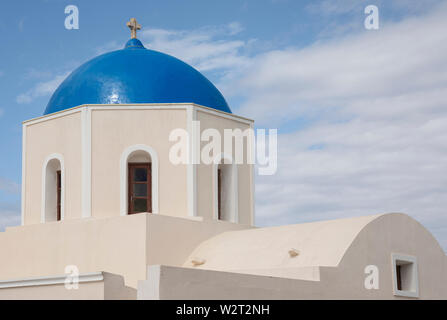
{"x": 219, "y": 193}
{"x": 130, "y": 183}
{"x": 59, "y": 194}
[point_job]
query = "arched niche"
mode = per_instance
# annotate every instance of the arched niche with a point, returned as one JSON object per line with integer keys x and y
{"x": 225, "y": 189}
{"x": 139, "y": 180}
{"x": 53, "y": 189}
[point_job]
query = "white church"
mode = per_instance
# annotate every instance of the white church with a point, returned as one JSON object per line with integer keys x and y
{"x": 107, "y": 215}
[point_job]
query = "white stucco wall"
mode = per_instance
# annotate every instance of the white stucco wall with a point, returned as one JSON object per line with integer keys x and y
{"x": 244, "y": 175}
{"x": 113, "y": 131}
{"x": 331, "y": 254}
{"x": 92, "y": 140}
{"x": 52, "y": 136}
{"x": 123, "y": 245}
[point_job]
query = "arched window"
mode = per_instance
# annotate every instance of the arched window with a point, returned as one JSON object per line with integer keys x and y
{"x": 53, "y": 189}
{"x": 139, "y": 180}
{"x": 225, "y": 189}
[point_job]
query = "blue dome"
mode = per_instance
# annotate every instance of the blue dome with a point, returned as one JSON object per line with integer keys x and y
{"x": 135, "y": 75}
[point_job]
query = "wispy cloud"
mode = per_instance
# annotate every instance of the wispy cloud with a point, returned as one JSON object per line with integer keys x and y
{"x": 208, "y": 48}
{"x": 9, "y": 186}
{"x": 9, "y": 212}
{"x": 110, "y": 46}
{"x": 380, "y": 74}
{"x": 37, "y": 74}
{"x": 21, "y": 24}
{"x": 41, "y": 89}
{"x": 9, "y": 216}
{"x": 334, "y": 7}
{"x": 373, "y": 103}
{"x": 341, "y": 17}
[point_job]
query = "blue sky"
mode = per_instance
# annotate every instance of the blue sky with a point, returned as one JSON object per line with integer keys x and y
{"x": 361, "y": 114}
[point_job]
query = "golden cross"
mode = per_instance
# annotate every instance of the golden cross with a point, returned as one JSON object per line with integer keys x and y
{"x": 133, "y": 26}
